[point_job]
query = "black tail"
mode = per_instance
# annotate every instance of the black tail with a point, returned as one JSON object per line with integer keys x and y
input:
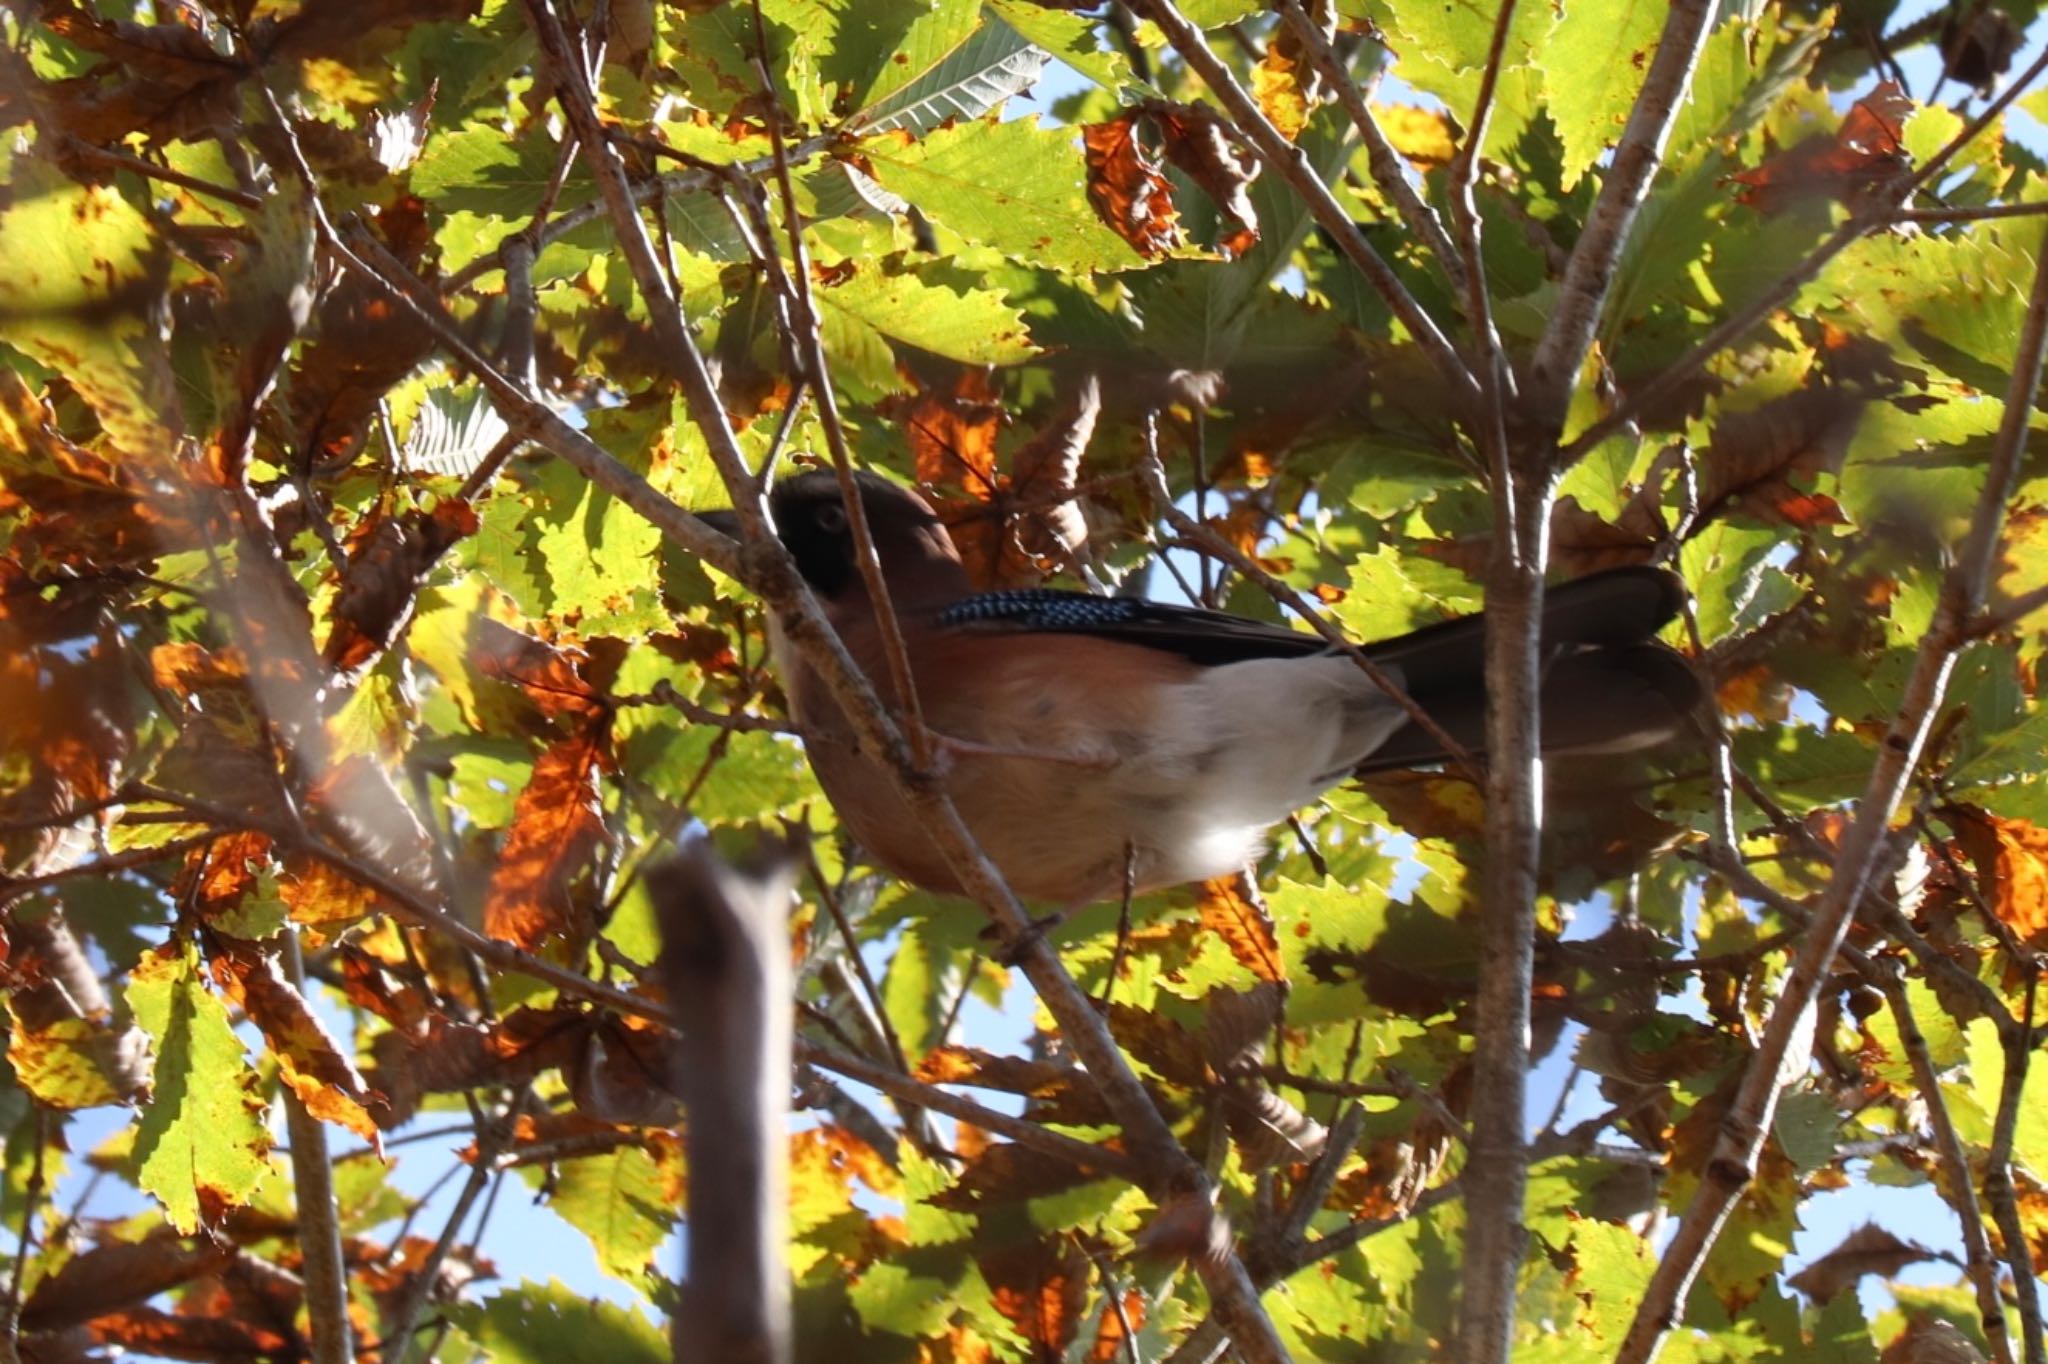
{"x": 1608, "y": 687}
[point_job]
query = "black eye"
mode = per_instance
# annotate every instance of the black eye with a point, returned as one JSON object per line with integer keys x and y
{"x": 831, "y": 518}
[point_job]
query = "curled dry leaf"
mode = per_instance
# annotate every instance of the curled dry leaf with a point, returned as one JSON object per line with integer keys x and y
{"x": 387, "y": 563}
{"x": 1198, "y": 141}
{"x": 1028, "y": 523}
{"x": 1870, "y": 1249}
{"x": 1127, "y": 188}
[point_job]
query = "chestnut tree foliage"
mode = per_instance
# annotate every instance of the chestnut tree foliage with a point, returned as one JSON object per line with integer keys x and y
{"x": 359, "y": 364}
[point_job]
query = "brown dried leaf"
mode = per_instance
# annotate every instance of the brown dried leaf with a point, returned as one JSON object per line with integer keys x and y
{"x": 557, "y": 825}
{"x": 1930, "y": 1340}
{"x": 116, "y": 1273}
{"x": 317, "y": 1070}
{"x": 1870, "y": 1249}
{"x": 2011, "y": 858}
{"x": 1164, "y": 1046}
{"x": 386, "y": 566}
{"x": 1763, "y": 461}
{"x": 1198, "y": 140}
{"x": 1859, "y": 163}
{"x": 1126, "y": 187}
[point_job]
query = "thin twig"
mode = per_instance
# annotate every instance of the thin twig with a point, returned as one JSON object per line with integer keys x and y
{"x": 491, "y": 1138}
{"x": 32, "y": 1194}
{"x": 1291, "y": 164}
{"x": 1998, "y": 1184}
{"x": 1388, "y": 172}
{"x": 1786, "y": 1044}
{"x": 1084, "y": 1155}
{"x": 1953, "y": 1174}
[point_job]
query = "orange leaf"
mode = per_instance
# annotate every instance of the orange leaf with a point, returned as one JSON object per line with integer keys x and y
{"x": 321, "y": 895}
{"x": 1126, "y": 187}
{"x": 556, "y": 826}
{"x": 952, "y": 436}
{"x": 553, "y": 678}
{"x": 325, "y": 1080}
{"x": 220, "y": 873}
{"x": 1863, "y": 159}
{"x": 1230, "y": 910}
{"x": 2011, "y": 858}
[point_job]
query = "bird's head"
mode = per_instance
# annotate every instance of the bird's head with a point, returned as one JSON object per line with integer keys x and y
{"x": 917, "y": 554}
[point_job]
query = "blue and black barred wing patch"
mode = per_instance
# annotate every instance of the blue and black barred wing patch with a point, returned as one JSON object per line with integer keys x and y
{"x": 1205, "y": 637}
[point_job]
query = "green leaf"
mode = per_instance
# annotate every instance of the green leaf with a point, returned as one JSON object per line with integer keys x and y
{"x": 618, "y": 1200}
{"x": 1593, "y": 63}
{"x": 201, "y": 1145}
{"x": 1069, "y": 38}
{"x": 81, "y": 294}
{"x": 1016, "y": 186}
{"x": 545, "y": 1324}
{"x": 891, "y": 1298}
{"x": 1806, "y": 1125}
{"x": 973, "y": 326}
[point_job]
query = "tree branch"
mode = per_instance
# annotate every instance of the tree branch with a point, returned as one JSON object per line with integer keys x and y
{"x": 1787, "y": 1041}
{"x": 1291, "y": 164}
{"x": 1582, "y": 294}
{"x": 1384, "y": 162}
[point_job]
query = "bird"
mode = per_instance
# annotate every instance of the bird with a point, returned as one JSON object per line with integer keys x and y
{"x": 1097, "y": 746}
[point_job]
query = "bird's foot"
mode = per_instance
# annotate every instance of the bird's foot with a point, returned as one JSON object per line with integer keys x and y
{"x": 1013, "y": 951}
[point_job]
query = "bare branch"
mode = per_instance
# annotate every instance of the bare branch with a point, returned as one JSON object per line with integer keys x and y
{"x": 319, "y": 1219}
{"x": 1998, "y": 1186}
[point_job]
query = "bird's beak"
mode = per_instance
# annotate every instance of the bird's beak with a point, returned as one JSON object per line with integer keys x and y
{"x": 724, "y": 521}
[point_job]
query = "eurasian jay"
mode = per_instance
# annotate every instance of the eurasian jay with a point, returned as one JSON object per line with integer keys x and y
{"x": 1077, "y": 726}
